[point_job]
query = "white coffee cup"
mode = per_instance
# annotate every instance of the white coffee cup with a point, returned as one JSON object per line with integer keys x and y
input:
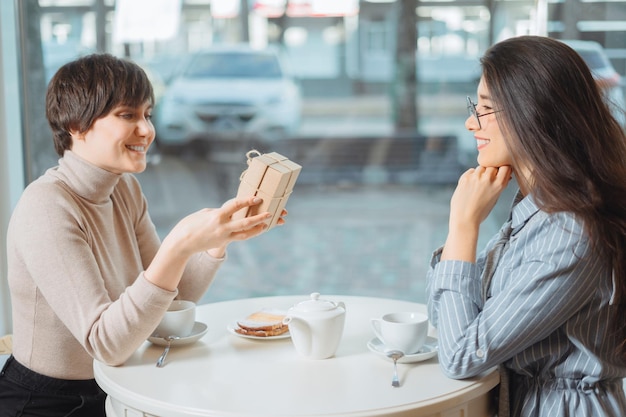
{"x": 405, "y": 331}
{"x": 178, "y": 320}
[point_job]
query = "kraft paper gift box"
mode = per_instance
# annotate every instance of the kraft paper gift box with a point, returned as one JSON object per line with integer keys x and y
{"x": 272, "y": 177}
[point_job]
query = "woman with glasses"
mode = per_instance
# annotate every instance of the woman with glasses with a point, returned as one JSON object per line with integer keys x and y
{"x": 546, "y": 299}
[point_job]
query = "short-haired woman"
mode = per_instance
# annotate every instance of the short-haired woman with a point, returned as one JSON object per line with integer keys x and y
{"x": 89, "y": 277}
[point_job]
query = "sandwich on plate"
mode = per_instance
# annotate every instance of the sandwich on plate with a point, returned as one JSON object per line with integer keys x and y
{"x": 263, "y": 323}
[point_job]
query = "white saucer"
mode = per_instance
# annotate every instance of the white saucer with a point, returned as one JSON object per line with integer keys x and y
{"x": 428, "y": 351}
{"x": 232, "y": 326}
{"x": 199, "y": 330}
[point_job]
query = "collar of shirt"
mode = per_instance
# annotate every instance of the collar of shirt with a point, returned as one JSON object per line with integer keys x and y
{"x": 522, "y": 210}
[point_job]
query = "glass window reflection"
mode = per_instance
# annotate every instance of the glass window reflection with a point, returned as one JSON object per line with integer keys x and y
{"x": 372, "y": 200}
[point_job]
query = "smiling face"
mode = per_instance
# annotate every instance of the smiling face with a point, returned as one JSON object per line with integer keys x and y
{"x": 492, "y": 149}
{"x": 118, "y": 141}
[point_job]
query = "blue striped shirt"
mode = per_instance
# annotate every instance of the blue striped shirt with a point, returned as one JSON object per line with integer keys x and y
{"x": 546, "y": 318}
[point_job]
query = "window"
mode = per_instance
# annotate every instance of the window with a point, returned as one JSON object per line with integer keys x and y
{"x": 372, "y": 200}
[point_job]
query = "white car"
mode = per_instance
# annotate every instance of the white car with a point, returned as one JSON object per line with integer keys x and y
{"x": 609, "y": 81}
{"x": 230, "y": 92}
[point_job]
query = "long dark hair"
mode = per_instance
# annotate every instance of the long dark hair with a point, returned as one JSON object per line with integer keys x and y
{"x": 558, "y": 126}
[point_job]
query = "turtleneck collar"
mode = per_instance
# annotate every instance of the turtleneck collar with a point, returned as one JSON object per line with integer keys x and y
{"x": 85, "y": 179}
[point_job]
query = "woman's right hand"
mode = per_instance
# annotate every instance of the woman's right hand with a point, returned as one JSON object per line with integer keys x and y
{"x": 475, "y": 196}
{"x": 211, "y": 228}
{"x": 207, "y": 229}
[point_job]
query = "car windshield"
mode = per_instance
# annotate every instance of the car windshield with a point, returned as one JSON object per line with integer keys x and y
{"x": 234, "y": 65}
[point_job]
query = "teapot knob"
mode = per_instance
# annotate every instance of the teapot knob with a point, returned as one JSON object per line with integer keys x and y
{"x": 315, "y": 296}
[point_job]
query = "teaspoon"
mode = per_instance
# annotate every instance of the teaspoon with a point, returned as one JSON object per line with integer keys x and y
{"x": 161, "y": 359}
{"x": 395, "y": 355}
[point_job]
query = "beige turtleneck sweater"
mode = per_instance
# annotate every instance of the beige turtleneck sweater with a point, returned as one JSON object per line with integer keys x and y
{"x": 78, "y": 242}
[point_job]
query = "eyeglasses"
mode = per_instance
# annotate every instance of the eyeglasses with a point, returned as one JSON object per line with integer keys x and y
{"x": 471, "y": 110}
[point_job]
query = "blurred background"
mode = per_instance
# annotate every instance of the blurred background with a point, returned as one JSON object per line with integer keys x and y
{"x": 367, "y": 95}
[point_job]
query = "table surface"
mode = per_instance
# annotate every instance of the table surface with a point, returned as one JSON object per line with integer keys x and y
{"x": 227, "y": 375}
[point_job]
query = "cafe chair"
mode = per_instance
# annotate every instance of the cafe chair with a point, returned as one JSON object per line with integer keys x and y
{"x": 6, "y": 348}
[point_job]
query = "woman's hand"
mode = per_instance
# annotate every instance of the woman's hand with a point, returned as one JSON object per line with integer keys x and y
{"x": 475, "y": 196}
{"x": 212, "y": 228}
{"x": 220, "y": 251}
{"x": 208, "y": 229}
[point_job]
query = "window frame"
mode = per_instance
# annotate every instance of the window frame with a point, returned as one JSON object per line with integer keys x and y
{"x": 12, "y": 179}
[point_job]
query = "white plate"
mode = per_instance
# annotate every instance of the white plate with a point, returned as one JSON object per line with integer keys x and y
{"x": 232, "y": 326}
{"x": 199, "y": 330}
{"x": 428, "y": 351}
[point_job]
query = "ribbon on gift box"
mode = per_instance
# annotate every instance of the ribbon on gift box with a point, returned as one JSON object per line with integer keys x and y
{"x": 249, "y": 155}
{"x": 270, "y": 176}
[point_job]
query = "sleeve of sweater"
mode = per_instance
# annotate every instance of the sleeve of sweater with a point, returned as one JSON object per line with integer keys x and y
{"x": 53, "y": 240}
{"x": 198, "y": 276}
{"x": 108, "y": 310}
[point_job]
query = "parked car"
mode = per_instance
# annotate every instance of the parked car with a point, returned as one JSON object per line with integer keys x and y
{"x": 228, "y": 92}
{"x": 605, "y": 75}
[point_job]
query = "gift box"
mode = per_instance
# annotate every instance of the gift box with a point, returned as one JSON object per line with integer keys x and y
{"x": 270, "y": 176}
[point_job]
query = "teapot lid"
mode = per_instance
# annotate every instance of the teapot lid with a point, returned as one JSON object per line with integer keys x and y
{"x": 315, "y": 304}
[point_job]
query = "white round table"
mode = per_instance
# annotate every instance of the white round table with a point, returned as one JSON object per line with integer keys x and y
{"x": 227, "y": 375}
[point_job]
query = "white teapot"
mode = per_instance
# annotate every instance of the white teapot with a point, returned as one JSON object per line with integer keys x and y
{"x": 316, "y": 326}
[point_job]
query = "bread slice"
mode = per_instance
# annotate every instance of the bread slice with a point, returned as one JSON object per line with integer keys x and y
{"x": 263, "y": 323}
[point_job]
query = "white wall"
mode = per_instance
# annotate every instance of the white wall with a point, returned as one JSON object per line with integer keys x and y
{"x": 11, "y": 155}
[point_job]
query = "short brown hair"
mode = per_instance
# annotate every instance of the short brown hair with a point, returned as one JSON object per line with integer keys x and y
{"x": 87, "y": 89}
